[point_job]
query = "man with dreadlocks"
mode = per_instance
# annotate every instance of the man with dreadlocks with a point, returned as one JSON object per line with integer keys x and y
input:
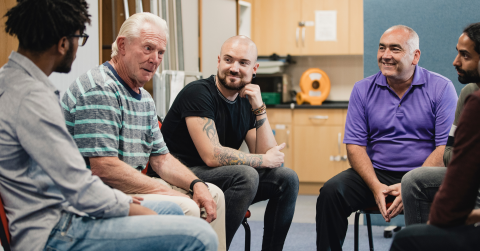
{"x": 52, "y": 201}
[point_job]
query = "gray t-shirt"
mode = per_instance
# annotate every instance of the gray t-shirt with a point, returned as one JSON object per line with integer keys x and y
{"x": 107, "y": 118}
{"x": 467, "y": 90}
{"x": 41, "y": 170}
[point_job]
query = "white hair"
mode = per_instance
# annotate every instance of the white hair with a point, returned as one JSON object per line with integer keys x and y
{"x": 413, "y": 40}
{"x": 132, "y": 26}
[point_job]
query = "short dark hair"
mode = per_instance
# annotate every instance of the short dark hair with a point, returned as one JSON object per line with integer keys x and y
{"x": 473, "y": 32}
{"x": 39, "y": 24}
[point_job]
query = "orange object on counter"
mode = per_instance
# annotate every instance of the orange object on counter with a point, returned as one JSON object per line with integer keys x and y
{"x": 315, "y": 86}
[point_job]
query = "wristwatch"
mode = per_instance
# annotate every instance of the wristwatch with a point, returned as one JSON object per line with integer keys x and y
{"x": 193, "y": 184}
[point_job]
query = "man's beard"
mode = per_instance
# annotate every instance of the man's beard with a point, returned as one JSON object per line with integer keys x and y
{"x": 66, "y": 64}
{"x": 468, "y": 76}
{"x": 223, "y": 81}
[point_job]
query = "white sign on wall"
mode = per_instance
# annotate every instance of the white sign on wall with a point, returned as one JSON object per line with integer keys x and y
{"x": 326, "y": 25}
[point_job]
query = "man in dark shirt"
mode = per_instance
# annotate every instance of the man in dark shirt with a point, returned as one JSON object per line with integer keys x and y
{"x": 208, "y": 122}
{"x": 453, "y": 220}
{"x": 420, "y": 185}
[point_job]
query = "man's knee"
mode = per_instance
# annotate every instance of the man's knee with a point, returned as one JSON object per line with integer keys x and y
{"x": 163, "y": 207}
{"x": 288, "y": 179}
{"x": 203, "y": 232}
{"x": 332, "y": 188}
{"x": 190, "y": 207}
{"x": 420, "y": 178}
{"x": 217, "y": 194}
{"x": 247, "y": 177}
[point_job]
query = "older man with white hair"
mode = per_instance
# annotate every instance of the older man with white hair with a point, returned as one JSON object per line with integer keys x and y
{"x": 114, "y": 124}
{"x": 397, "y": 120}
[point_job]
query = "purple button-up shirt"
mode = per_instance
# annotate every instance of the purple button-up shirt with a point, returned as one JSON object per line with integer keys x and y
{"x": 400, "y": 133}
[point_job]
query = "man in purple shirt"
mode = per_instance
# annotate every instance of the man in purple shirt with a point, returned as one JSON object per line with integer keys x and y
{"x": 398, "y": 120}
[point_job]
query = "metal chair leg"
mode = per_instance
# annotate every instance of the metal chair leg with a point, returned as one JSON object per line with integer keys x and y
{"x": 369, "y": 228}
{"x": 248, "y": 234}
{"x": 355, "y": 232}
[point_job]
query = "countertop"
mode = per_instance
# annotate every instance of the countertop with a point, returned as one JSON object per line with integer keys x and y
{"x": 326, "y": 105}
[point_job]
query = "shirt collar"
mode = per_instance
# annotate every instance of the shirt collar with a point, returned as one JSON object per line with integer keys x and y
{"x": 31, "y": 68}
{"x": 137, "y": 96}
{"x": 418, "y": 77}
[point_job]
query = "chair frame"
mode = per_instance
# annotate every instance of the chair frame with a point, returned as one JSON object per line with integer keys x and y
{"x": 248, "y": 233}
{"x": 367, "y": 212}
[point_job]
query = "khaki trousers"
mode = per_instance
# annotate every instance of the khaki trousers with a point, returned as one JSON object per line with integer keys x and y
{"x": 190, "y": 208}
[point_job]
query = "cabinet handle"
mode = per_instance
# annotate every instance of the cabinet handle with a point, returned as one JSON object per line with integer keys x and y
{"x": 339, "y": 143}
{"x": 303, "y": 36}
{"x": 318, "y": 117}
{"x": 298, "y": 34}
{"x": 288, "y": 136}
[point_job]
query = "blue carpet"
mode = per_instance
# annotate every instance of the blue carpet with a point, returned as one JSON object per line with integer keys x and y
{"x": 302, "y": 236}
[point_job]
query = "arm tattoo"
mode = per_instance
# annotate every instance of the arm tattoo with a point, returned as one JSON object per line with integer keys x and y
{"x": 227, "y": 156}
{"x": 260, "y": 123}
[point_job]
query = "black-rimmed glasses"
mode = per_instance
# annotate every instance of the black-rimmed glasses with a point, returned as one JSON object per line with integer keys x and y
{"x": 83, "y": 36}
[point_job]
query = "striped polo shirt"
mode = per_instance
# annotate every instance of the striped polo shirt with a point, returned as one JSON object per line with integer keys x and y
{"x": 107, "y": 118}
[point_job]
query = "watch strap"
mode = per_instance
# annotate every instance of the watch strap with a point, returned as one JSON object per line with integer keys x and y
{"x": 195, "y": 181}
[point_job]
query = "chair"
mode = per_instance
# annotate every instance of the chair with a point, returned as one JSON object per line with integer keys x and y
{"x": 367, "y": 211}
{"x": 248, "y": 234}
{"x": 4, "y": 233}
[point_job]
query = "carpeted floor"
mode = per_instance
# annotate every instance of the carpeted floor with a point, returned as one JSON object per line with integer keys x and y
{"x": 302, "y": 236}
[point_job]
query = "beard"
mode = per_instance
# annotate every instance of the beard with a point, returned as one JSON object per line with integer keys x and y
{"x": 468, "y": 76}
{"x": 231, "y": 86}
{"x": 66, "y": 64}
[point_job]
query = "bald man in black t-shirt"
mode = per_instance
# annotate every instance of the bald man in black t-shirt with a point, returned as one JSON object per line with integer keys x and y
{"x": 207, "y": 123}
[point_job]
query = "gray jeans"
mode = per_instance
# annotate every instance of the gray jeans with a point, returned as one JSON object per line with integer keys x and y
{"x": 419, "y": 187}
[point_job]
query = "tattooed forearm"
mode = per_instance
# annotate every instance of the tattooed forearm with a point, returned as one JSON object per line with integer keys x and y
{"x": 226, "y": 156}
{"x": 260, "y": 123}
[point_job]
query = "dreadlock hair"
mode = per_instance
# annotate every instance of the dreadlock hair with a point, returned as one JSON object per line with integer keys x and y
{"x": 40, "y": 24}
{"x": 473, "y": 32}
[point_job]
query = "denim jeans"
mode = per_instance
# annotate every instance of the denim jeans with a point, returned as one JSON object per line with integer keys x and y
{"x": 419, "y": 187}
{"x": 243, "y": 185}
{"x": 169, "y": 231}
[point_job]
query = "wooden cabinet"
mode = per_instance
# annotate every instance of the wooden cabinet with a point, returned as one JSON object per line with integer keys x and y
{"x": 278, "y": 26}
{"x": 281, "y": 122}
{"x": 319, "y": 153}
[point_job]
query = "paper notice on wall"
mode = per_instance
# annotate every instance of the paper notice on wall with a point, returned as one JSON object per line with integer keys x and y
{"x": 178, "y": 80}
{"x": 326, "y": 25}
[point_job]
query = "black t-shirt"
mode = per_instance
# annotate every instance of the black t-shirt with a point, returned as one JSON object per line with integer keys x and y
{"x": 201, "y": 98}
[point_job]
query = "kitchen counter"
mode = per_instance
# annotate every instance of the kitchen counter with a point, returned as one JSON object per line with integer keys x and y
{"x": 325, "y": 105}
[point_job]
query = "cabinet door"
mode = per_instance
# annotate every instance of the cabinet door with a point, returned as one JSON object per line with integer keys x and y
{"x": 339, "y": 47}
{"x": 318, "y": 137}
{"x": 355, "y": 10}
{"x": 315, "y": 146}
{"x": 275, "y": 25}
{"x": 283, "y": 134}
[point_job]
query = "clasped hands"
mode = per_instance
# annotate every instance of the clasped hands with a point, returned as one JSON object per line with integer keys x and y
{"x": 381, "y": 192}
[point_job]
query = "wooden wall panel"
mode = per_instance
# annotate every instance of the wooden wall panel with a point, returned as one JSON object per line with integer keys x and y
{"x": 7, "y": 42}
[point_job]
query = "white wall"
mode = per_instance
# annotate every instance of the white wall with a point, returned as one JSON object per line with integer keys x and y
{"x": 190, "y": 36}
{"x": 219, "y": 22}
{"x": 87, "y": 56}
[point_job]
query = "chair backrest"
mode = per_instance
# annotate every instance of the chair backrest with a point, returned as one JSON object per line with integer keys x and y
{"x": 4, "y": 233}
{"x": 144, "y": 171}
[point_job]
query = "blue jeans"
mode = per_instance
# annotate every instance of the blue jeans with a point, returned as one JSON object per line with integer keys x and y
{"x": 245, "y": 185}
{"x": 170, "y": 231}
